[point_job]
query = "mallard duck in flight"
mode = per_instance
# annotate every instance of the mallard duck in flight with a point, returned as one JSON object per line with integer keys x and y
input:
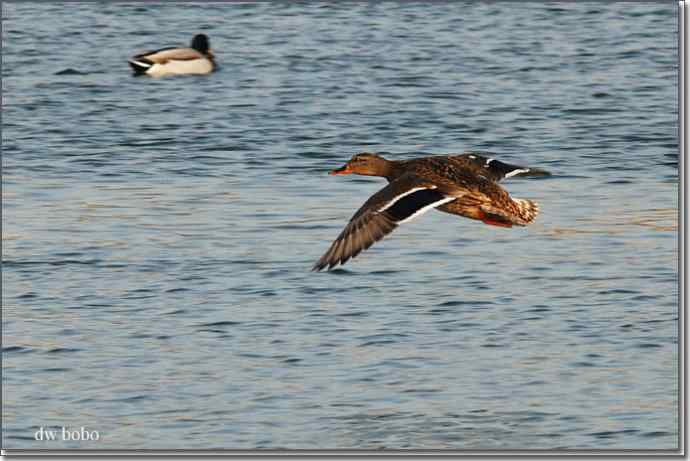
{"x": 465, "y": 185}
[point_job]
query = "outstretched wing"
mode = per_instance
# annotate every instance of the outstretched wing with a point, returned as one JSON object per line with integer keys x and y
{"x": 482, "y": 163}
{"x": 400, "y": 201}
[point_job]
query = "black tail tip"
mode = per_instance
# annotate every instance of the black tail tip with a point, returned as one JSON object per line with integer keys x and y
{"x": 139, "y": 67}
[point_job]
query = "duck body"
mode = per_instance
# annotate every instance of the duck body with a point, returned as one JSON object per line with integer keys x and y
{"x": 198, "y": 59}
{"x": 464, "y": 185}
{"x": 476, "y": 180}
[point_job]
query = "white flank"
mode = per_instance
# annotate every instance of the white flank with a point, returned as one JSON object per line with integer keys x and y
{"x": 172, "y": 67}
{"x": 514, "y": 172}
{"x": 395, "y": 199}
{"x": 422, "y": 210}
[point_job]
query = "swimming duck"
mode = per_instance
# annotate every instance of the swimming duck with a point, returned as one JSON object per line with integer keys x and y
{"x": 465, "y": 185}
{"x": 197, "y": 59}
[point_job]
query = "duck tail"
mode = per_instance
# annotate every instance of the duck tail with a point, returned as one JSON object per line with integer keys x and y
{"x": 527, "y": 209}
{"x": 140, "y": 65}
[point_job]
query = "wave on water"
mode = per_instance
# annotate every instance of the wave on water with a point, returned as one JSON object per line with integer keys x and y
{"x": 70, "y": 71}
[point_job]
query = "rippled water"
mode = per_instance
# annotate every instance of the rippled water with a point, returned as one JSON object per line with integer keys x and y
{"x": 158, "y": 234}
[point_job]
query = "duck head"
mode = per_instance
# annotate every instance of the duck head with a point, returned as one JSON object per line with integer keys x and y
{"x": 201, "y": 44}
{"x": 365, "y": 164}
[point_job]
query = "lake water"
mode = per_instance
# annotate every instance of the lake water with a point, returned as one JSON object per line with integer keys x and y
{"x": 158, "y": 234}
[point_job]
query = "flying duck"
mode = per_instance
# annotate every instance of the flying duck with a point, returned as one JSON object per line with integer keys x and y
{"x": 197, "y": 59}
{"x": 465, "y": 185}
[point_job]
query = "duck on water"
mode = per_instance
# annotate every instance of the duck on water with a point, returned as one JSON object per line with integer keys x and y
{"x": 198, "y": 59}
{"x": 465, "y": 185}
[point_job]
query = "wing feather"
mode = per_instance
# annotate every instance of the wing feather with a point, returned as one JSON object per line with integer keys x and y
{"x": 483, "y": 163}
{"x": 164, "y": 55}
{"x": 400, "y": 201}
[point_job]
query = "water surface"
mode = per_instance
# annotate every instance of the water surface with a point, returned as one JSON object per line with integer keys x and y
{"x": 158, "y": 234}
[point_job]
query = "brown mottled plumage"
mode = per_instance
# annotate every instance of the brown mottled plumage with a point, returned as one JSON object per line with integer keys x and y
{"x": 464, "y": 184}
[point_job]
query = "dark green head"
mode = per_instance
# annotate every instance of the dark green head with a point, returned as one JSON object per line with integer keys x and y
{"x": 201, "y": 44}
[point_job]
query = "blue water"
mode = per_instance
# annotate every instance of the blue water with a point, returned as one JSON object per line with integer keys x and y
{"x": 158, "y": 233}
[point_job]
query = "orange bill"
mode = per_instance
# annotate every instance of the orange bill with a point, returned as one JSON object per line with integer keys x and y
{"x": 342, "y": 170}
